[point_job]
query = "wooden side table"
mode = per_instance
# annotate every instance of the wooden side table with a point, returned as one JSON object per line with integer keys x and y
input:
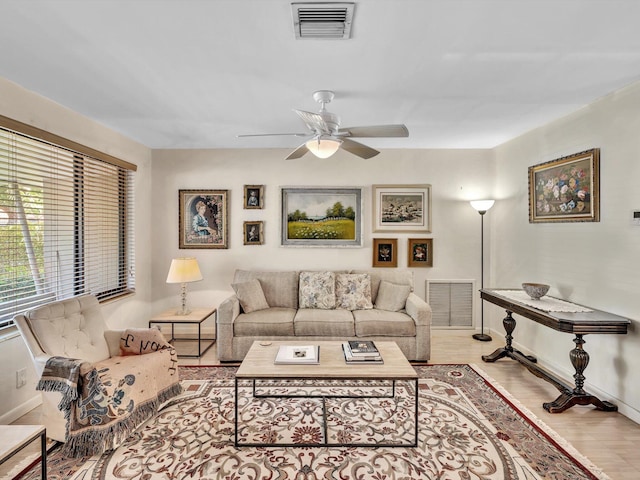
{"x": 196, "y": 317}
{"x": 14, "y": 438}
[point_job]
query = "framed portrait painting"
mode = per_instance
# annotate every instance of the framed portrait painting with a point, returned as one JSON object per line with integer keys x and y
{"x": 253, "y": 232}
{"x": 203, "y": 219}
{"x": 321, "y": 216}
{"x": 385, "y": 252}
{"x": 566, "y": 189}
{"x": 253, "y": 196}
{"x": 401, "y": 208}
{"x": 420, "y": 252}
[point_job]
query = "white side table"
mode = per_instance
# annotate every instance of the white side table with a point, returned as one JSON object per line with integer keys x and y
{"x": 14, "y": 438}
{"x": 196, "y": 317}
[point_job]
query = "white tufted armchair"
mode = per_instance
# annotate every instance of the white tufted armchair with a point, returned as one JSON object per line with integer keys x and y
{"x": 75, "y": 328}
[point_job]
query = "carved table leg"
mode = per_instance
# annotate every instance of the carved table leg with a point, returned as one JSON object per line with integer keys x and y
{"x": 579, "y": 359}
{"x": 509, "y": 324}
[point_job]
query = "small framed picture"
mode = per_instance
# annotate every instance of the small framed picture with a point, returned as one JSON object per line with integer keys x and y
{"x": 253, "y": 233}
{"x": 420, "y": 252}
{"x": 385, "y": 252}
{"x": 253, "y": 196}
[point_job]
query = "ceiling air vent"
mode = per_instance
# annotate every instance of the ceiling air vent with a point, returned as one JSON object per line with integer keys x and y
{"x": 322, "y": 20}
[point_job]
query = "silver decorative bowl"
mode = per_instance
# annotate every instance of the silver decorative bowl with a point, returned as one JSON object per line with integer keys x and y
{"x": 535, "y": 290}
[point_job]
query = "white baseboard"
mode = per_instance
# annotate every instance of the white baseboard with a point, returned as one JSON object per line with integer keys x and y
{"x": 14, "y": 414}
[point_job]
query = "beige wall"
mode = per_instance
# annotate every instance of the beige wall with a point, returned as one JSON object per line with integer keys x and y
{"x": 455, "y": 176}
{"x": 595, "y": 264}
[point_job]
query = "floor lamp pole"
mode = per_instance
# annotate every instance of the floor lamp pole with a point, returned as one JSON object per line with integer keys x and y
{"x": 483, "y": 337}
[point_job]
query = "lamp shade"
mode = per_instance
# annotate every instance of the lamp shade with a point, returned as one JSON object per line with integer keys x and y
{"x": 323, "y": 147}
{"x": 482, "y": 205}
{"x": 184, "y": 270}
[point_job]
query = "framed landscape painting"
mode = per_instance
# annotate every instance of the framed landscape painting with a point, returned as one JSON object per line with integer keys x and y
{"x": 203, "y": 219}
{"x": 566, "y": 189}
{"x": 321, "y": 216}
{"x": 401, "y": 208}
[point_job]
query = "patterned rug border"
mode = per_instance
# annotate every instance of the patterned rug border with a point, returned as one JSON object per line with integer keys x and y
{"x": 587, "y": 466}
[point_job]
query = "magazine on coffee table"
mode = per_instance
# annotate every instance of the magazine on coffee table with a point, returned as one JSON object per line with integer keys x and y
{"x": 298, "y": 354}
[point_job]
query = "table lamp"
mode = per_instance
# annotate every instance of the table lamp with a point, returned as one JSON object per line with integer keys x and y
{"x": 481, "y": 206}
{"x": 183, "y": 271}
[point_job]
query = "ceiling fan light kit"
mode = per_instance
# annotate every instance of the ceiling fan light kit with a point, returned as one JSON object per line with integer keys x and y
{"x": 327, "y": 137}
{"x": 323, "y": 147}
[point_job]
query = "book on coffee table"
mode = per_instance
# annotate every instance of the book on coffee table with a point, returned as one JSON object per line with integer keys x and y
{"x": 351, "y": 358}
{"x": 298, "y": 354}
{"x": 363, "y": 347}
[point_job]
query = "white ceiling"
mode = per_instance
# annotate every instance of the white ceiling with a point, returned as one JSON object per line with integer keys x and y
{"x": 195, "y": 73}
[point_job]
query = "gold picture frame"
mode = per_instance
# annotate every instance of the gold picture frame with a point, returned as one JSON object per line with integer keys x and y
{"x": 253, "y": 232}
{"x": 420, "y": 252}
{"x": 253, "y": 197}
{"x": 203, "y": 219}
{"x": 566, "y": 189}
{"x": 385, "y": 252}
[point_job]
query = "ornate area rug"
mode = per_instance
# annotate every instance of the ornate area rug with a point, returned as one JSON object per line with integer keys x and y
{"x": 469, "y": 428}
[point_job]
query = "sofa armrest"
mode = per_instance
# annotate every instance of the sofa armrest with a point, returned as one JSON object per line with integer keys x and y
{"x": 418, "y": 309}
{"x": 228, "y": 311}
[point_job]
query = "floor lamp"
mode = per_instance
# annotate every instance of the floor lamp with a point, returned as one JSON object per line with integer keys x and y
{"x": 481, "y": 207}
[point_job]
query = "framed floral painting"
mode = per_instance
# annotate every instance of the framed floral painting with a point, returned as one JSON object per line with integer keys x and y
{"x": 385, "y": 252}
{"x": 420, "y": 252}
{"x": 566, "y": 189}
{"x": 203, "y": 219}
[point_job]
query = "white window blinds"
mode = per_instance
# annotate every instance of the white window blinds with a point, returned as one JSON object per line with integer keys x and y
{"x": 66, "y": 225}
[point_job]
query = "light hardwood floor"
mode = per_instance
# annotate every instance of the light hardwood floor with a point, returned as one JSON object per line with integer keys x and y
{"x": 608, "y": 439}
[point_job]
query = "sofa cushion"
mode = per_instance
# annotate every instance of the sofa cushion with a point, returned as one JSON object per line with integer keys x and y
{"x": 392, "y": 297}
{"x": 317, "y": 290}
{"x": 250, "y": 295}
{"x": 397, "y": 276}
{"x": 273, "y": 321}
{"x": 373, "y": 323}
{"x": 323, "y": 323}
{"x": 353, "y": 291}
{"x": 280, "y": 288}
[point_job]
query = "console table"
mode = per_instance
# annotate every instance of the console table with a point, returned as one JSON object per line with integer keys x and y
{"x": 578, "y": 323}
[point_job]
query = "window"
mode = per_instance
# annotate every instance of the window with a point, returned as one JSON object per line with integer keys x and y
{"x": 66, "y": 221}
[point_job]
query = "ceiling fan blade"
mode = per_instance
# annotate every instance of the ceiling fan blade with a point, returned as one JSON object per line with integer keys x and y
{"x": 298, "y": 152}
{"x": 314, "y": 121}
{"x": 272, "y": 135}
{"x": 358, "y": 149}
{"x": 375, "y": 131}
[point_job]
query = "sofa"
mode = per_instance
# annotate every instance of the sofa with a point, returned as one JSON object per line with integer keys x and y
{"x": 308, "y": 306}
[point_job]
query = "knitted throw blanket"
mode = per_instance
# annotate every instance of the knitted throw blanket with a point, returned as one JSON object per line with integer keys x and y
{"x": 104, "y": 402}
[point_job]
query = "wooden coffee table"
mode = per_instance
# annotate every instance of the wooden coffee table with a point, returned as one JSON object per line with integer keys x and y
{"x": 259, "y": 364}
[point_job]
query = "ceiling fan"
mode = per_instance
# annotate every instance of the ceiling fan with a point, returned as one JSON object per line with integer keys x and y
{"x": 326, "y": 135}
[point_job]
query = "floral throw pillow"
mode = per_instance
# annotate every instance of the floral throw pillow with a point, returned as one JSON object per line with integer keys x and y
{"x": 353, "y": 291}
{"x": 317, "y": 290}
